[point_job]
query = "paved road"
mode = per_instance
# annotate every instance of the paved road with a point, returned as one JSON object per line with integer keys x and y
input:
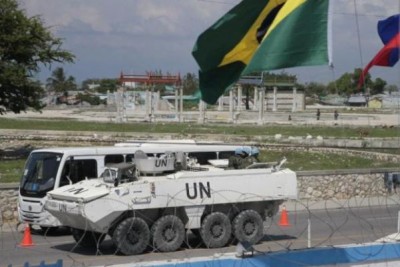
{"x": 329, "y": 227}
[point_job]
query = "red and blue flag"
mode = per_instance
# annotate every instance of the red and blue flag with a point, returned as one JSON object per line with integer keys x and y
{"x": 388, "y": 30}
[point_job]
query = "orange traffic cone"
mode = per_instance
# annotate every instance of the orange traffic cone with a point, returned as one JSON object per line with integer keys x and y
{"x": 27, "y": 239}
{"x": 284, "y": 221}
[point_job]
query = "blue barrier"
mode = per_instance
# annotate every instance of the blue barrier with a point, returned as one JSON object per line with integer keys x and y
{"x": 357, "y": 254}
{"x": 59, "y": 263}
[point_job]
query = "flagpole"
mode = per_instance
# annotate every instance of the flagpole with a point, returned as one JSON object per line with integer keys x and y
{"x": 329, "y": 34}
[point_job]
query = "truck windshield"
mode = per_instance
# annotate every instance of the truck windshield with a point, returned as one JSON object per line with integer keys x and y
{"x": 40, "y": 174}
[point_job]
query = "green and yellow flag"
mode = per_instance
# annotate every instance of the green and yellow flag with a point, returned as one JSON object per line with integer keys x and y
{"x": 259, "y": 35}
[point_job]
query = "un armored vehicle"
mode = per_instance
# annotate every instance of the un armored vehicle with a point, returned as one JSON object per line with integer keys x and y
{"x": 156, "y": 200}
{"x": 50, "y": 168}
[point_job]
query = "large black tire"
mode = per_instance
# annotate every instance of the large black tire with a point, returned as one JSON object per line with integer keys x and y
{"x": 216, "y": 230}
{"x": 87, "y": 239}
{"x": 248, "y": 226}
{"x": 168, "y": 233}
{"x": 131, "y": 236}
{"x": 48, "y": 230}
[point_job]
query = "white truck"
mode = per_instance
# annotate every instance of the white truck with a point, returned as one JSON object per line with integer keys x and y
{"x": 50, "y": 168}
{"x": 154, "y": 201}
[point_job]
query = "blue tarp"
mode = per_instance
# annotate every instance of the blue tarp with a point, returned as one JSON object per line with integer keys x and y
{"x": 359, "y": 254}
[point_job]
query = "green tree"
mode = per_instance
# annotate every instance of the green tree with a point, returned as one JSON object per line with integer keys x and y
{"x": 59, "y": 83}
{"x": 104, "y": 85}
{"x": 315, "y": 89}
{"x": 93, "y": 100}
{"x": 279, "y": 78}
{"x": 158, "y": 86}
{"x": 107, "y": 85}
{"x": 25, "y": 45}
{"x": 348, "y": 84}
{"x": 190, "y": 83}
{"x": 378, "y": 86}
{"x": 87, "y": 82}
{"x": 343, "y": 85}
{"x": 367, "y": 81}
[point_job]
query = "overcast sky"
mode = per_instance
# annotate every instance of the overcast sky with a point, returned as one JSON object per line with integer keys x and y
{"x": 135, "y": 36}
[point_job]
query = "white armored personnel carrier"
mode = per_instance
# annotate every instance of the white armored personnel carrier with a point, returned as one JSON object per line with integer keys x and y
{"x": 154, "y": 201}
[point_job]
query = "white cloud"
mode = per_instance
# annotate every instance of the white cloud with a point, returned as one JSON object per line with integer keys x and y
{"x": 159, "y": 17}
{"x": 139, "y": 34}
{"x": 61, "y": 14}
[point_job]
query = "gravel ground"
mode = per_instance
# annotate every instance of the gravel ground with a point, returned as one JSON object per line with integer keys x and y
{"x": 366, "y": 118}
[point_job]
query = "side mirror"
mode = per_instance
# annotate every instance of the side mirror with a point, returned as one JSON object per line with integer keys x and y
{"x": 109, "y": 176}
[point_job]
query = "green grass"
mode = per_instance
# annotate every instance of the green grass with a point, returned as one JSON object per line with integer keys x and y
{"x": 306, "y": 161}
{"x": 394, "y": 151}
{"x": 194, "y": 128}
{"x": 11, "y": 170}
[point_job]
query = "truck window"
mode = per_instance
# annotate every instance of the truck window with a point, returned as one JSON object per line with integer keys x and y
{"x": 203, "y": 157}
{"x": 40, "y": 174}
{"x": 130, "y": 158}
{"x": 225, "y": 154}
{"x": 113, "y": 159}
{"x": 78, "y": 170}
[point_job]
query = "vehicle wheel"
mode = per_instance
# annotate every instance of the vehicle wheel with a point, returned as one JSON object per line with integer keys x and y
{"x": 48, "y": 230}
{"x": 87, "y": 238}
{"x": 131, "y": 236}
{"x": 216, "y": 230}
{"x": 168, "y": 233}
{"x": 248, "y": 226}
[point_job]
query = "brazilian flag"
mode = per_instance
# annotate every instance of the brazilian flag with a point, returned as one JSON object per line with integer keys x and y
{"x": 260, "y": 35}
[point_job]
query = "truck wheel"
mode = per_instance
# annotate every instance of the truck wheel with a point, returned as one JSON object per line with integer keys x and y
{"x": 248, "y": 226}
{"x": 48, "y": 230}
{"x": 216, "y": 230}
{"x": 87, "y": 239}
{"x": 168, "y": 233}
{"x": 131, "y": 236}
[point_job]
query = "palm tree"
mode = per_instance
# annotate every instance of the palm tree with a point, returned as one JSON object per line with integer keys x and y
{"x": 58, "y": 82}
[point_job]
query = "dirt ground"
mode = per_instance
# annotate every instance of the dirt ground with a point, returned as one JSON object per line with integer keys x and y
{"x": 307, "y": 117}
